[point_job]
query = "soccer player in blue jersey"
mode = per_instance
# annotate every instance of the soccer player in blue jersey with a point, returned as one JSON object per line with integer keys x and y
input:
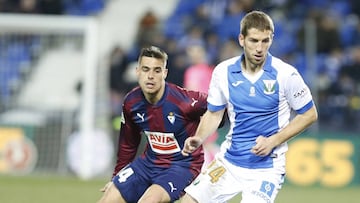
{"x": 261, "y": 93}
{"x": 166, "y": 115}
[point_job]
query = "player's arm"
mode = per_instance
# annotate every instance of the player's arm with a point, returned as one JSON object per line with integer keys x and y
{"x": 264, "y": 145}
{"x": 296, "y": 126}
{"x": 129, "y": 141}
{"x": 209, "y": 123}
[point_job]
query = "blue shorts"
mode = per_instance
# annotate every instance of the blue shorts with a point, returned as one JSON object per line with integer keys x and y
{"x": 133, "y": 180}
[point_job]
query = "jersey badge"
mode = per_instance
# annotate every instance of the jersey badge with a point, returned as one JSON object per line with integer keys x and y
{"x": 252, "y": 92}
{"x": 269, "y": 86}
{"x": 171, "y": 117}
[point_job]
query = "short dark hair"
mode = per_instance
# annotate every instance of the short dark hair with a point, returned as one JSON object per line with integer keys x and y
{"x": 258, "y": 20}
{"x": 154, "y": 52}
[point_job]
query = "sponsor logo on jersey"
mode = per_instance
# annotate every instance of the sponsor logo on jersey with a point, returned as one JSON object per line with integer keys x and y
{"x": 300, "y": 93}
{"x": 294, "y": 74}
{"x": 269, "y": 86}
{"x": 237, "y": 83}
{"x": 162, "y": 143}
{"x": 171, "y": 117}
{"x": 194, "y": 102}
{"x": 141, "y": 116}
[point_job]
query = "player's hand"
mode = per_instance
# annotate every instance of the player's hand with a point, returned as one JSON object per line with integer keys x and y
{"x": 263, "y": 146}
{"x": 190, "y": 145}
{"x": 106, "y": 186}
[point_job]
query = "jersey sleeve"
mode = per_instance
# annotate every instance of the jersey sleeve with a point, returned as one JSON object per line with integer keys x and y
{"x": 216, "y": 98}
{"x": 298, "y": 93}
{"x": 129, "y": 140}
{"x": 199, "y": 104}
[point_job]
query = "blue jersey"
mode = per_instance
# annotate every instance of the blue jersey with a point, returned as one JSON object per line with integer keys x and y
{"x": 260, "y": 104}
{"x": 165, "y": 125}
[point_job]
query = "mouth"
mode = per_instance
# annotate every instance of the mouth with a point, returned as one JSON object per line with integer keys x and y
{"x": 149, "y": 85}
{"x": 258, "y": 57}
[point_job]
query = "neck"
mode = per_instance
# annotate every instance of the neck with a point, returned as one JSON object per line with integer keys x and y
{"x": 251, "y": 68}
{"x": 155, "y": 97}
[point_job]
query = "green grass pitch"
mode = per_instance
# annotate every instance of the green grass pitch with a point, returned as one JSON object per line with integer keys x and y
{"x": 57, "y": 189}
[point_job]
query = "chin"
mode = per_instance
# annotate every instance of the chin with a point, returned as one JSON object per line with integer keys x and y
{"x": 150, "y": 91}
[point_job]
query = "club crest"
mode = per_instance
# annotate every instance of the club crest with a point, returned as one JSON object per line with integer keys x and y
{"x": 171, "y": 117}
{"x": 269, "y": 86}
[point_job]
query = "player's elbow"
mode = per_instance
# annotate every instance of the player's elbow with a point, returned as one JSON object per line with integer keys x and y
{"x": 313, "y": 115}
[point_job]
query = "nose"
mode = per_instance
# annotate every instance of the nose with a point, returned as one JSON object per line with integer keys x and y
{"x": 150, "y": 74}
{"x": 259, "y": 47}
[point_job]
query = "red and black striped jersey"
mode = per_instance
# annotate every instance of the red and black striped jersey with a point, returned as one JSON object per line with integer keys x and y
{"x": 165, "y": 124}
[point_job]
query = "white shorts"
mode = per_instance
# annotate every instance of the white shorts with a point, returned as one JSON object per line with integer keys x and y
{"x": 222, "y": 180}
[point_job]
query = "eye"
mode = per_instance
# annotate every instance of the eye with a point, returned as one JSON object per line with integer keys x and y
{"x": 158, "y": 70}
{"x": 267, "y": 40}
{"x": 145, "y": 69}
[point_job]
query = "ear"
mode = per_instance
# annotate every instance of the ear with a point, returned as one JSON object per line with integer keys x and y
{"x": 165, "y": 73}
{"x": 137, "y": 71}
{"x": 241, "y": 40}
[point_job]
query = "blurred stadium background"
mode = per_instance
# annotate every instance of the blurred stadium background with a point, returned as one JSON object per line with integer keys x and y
{"x": 66, "y": 65}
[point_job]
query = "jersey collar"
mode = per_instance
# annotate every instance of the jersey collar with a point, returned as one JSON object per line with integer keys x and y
{"x": 234, "y": 68}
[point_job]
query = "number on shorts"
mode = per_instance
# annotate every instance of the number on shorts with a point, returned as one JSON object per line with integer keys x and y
{"x": 124, "y": 174}
{"x": 216, "y": 173}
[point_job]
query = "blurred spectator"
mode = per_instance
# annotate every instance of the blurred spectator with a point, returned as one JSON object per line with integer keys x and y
{"x": 200, "y": 18}
{"x": 228, "y": 49}
{"x": 176, "y": 62}
{"x": 119, "y": 86}
{"x": 51, "y": 7}
{"x": 148, "y": 30}
{"x": 327, "y": 33}
{"x": 212, "y": 43}
{"x": 5, "y": 6}
{"x": 341, "y": 106}
{"x": 27, "y": 6}
{"x": 355, "y": 7}
{"x": 194, "y": 36}
{"x": 83, "y": 7}
{"x": 352, "y": 71}
{"x": 234, "y": 12}
{"x": 216, "y": 9}
{"x": 197, "y": 76}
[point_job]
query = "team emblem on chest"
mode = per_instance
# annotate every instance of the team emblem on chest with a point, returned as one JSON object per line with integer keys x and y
{"x": 269, "y": 86}
{"x": 171, "y": 117}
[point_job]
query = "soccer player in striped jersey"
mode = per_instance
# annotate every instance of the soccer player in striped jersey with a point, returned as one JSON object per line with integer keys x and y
{"x": 166, "y": 115}
{"x": 261, "y": 93}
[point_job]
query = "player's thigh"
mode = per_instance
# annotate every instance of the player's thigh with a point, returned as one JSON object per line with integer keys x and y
{"x": 188, "y": 199}
{"x": 155, "y": 193}
{"x": 174, "y": 180}
{"x": 112, "y": 195}
{"x": 262, "y": 190}
{"x": 216, "y": 184}
{"x": 130, "y": 184}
